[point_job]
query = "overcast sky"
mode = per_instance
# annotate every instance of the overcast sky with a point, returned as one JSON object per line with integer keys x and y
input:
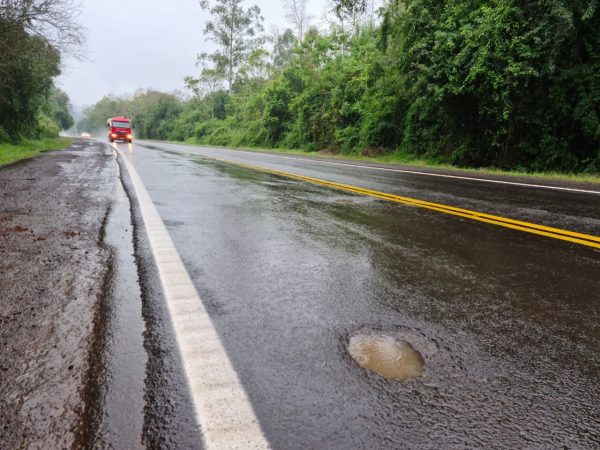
{"x": 136, "y": 44}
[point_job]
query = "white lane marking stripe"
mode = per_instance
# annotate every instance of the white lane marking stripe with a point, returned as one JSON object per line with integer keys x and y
{"x": 413, "y": 172}
{"x": 223, "y": 411}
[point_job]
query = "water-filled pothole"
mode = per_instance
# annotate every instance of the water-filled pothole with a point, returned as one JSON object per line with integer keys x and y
{"x": 387, "y": 356}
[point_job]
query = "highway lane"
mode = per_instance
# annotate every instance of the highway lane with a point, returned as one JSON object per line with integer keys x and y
{"x": 506, "y": 321}
{"x": 551, "y": 206}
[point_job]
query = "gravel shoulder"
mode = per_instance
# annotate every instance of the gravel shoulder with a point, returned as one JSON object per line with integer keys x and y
{"x": 53, "y": 270}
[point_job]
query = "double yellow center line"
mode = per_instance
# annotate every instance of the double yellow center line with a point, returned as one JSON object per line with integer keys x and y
{"x": 527, "y": 227}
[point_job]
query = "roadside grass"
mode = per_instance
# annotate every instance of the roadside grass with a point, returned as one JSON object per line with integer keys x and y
{"x": 407, "y": 160}
{"x": 28, "y": 148}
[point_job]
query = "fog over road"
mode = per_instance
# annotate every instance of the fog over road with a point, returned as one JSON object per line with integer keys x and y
{"x": 288, "y": 271}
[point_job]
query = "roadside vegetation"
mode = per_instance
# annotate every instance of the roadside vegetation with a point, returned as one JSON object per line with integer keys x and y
{"x": 504, "y": 85}
{"x": 28, "y": 148}
{"x": 33, "y": 35}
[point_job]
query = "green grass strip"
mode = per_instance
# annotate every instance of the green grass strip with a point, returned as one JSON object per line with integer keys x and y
{"x": 28, "y": 148}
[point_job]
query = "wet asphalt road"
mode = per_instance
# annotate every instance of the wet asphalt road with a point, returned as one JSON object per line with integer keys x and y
{"x": 507, "y": 322}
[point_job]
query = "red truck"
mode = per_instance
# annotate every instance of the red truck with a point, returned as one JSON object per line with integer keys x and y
{"x": 120, "y": 128}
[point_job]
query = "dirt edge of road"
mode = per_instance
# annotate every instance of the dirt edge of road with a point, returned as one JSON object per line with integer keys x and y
{"x": 92, "y": 390}
{"x": 54, "y": 267}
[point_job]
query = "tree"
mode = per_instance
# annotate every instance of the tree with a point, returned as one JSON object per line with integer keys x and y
{"x": 27, "y": 66}
{"x": 33, "y": 33}
{"x": 152, "y": 112}
{"x": 236, "y": 31}
{"x": 54, "y": 21}
{"x": 59, "y": 108}
{"x": 497, "y": 83}
{"x": 205, "y": 86}
{"x": 283, "y": 48}
{"x": 296, "y": 14}
{"x": 349, "y": 11}
{"x": 257, "y": 67}
{"x": 472, "y": 83}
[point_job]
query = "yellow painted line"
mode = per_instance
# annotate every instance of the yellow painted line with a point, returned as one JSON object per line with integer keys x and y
{"x": 528, "y": 227}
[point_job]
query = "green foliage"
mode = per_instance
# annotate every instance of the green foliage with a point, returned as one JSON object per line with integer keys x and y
{"x": 58, "y": 108}
{"x": 47, "y": 127}
{"x": 236, "y": 32}
{"x": 347, "y": 10}
{"x": 28, "y": 148}
{"x": 491, "y": 83}
{"x": 283, "y": 49}
{"x": 471, "y": 83}
{"x": 27, "y": 67}
{"x": 32, "y": 36}
{"x": 153, "y": 113}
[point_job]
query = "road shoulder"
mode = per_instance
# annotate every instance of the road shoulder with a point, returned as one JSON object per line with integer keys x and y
{"x": 53, "y": 269}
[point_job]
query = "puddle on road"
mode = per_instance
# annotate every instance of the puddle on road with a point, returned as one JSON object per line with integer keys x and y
{"x": 387, "y": 356}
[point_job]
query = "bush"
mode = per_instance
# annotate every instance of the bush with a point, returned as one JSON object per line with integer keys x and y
{"x": 479, "y": 83}
{"x": 4, "y": 136}
{"x": 47, "y": 127}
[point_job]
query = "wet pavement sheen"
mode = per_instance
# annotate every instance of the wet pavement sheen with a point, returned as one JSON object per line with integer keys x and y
{"x": 506, "y": 322}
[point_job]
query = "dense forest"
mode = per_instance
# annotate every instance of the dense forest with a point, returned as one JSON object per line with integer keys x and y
{"x": 33, "y": 35}
{"x": 495, "y": 83}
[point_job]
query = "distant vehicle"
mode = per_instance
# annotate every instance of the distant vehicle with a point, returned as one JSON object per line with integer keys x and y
{"x": 85, "y": 135}
{"x": 119, "y": 129}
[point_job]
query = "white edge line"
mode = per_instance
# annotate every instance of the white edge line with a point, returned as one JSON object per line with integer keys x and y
{"x": 223, "y": 411}
{"x": 412, "y": 172}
